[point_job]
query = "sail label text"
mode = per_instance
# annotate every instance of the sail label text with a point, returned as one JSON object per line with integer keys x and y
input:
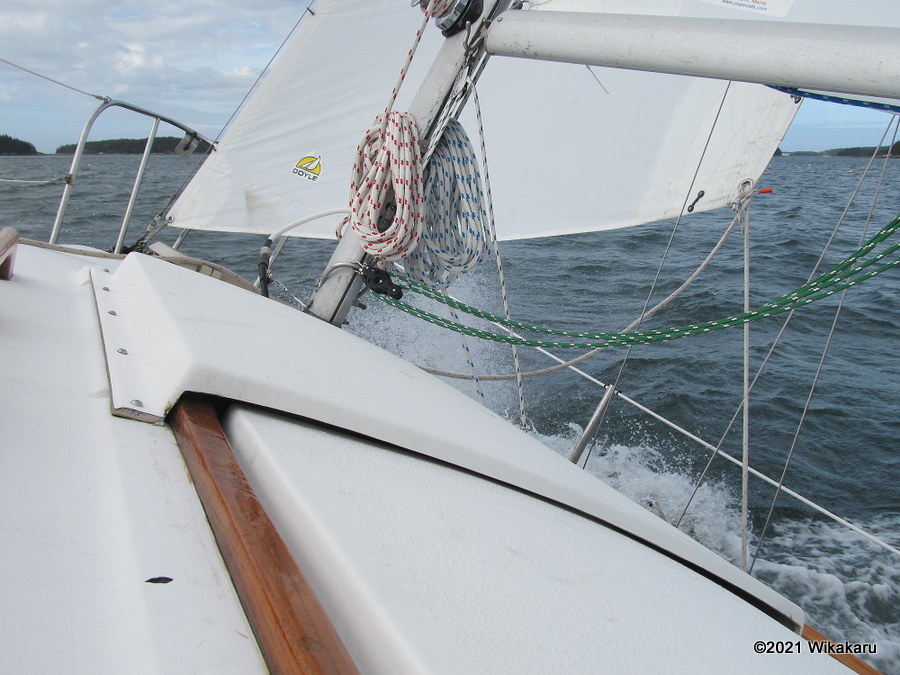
{"x": 770, "y": 7}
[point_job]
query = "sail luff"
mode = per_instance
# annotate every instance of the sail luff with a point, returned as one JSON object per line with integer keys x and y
{"x": 788, "y": 55}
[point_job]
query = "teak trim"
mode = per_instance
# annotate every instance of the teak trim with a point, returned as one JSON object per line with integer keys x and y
{"x": 292, "y": 629}
{"x": 853, "y": 662}
{"x": 9, "y": 238}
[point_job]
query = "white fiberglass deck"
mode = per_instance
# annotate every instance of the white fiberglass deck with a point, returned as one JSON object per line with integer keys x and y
{"x": 425, "y": 568}
{"x": 93, "y": 505}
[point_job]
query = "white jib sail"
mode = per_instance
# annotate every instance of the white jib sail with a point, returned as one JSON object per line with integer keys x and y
{"x": 289, "y": 152}
{"x": 570, "y": 149}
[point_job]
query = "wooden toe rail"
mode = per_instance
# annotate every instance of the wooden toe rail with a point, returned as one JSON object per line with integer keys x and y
{"x": 853, "y": 662}
{"x": 9, "y": 239}
{"x": 293, "y": 631}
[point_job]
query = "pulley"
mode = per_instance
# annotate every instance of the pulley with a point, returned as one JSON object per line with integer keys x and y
{"x": 455, "y": 19}
{"x": 462, "y": 12}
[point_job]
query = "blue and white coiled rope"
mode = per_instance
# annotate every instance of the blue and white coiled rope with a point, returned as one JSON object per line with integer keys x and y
{"x": 454, "y": 238}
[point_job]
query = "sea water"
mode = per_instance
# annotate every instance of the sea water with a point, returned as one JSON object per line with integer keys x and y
{"x": 845, "y": 457}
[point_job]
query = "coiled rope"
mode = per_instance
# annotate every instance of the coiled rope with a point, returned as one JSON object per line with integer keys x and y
{"x": 853, "y": 270}
{"x": 438, "y": 226}
{"x": 455, "y": 236}
{"x": 389, "y": 164}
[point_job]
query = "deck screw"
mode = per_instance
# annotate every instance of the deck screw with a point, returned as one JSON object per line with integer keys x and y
{"x": 137, "y": 403}
{"x": 122, "y": 350}
{"x": 113, "y": 312}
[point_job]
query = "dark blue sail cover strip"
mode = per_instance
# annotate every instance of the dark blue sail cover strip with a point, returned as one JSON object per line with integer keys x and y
{"x": 830, "y": 98}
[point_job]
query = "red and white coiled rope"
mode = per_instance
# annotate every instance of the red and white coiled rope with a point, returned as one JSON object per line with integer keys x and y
{"x": 389, "y": 160}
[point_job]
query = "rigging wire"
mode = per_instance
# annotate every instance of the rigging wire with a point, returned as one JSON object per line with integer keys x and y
{"x": 50, "y": 79}
{"x": 784, "y": 325}
{"x": 158, "y": 224}
{"x": 825, "y": 349}
{"x": 17, "y": 181}
{"x": 306, "y": 10}
{"x": 594, "y": 75}
{"x": 470, "y": 362}
{"x": 504, "y": 292}
{"x": 596, "y": 423}
{"x": 744, "y": 208}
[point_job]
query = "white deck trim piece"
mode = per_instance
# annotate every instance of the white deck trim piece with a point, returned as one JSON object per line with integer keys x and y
{"x": 190, "y": 333}
{"x": 122, "y": 359}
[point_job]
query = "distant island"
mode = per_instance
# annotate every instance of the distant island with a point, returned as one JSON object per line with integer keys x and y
{"x": 119, "y": 146}
{"x": 163, "y": 145}
{"x": 893, "y": 151}
{"x": 13, "y": 146}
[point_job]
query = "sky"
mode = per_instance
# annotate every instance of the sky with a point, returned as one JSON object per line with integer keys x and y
{"x": 193, "y": 60}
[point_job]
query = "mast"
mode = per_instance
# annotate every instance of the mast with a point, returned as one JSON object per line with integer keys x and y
{"x": 342, "y": 283}
{"x": 792, "y": 55}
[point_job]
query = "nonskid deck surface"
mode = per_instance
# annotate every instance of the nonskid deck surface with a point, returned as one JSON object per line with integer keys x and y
{"x": 474, "y": 551}
{"x": 462, "y": 574}
{"x": 94, "y": 506}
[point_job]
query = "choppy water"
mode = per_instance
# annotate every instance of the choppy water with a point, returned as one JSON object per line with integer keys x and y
{"x": 846, "y": 456}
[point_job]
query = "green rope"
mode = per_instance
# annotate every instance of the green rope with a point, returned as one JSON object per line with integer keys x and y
{"x": 851, "y": 271}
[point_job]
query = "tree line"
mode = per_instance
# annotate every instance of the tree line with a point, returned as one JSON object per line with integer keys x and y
{"x": 117, "y": 146}
{"x": 893, "y": 151}
{"x": 14, "y": 146}
{"x": 128, "y": 146}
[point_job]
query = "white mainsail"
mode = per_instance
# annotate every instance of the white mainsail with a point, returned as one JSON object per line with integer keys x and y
{"x": 570, "y": 149}
{"x": 623, "y": 149}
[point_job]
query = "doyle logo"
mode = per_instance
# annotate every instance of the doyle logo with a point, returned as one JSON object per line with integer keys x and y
{"x": 309, "y": 167}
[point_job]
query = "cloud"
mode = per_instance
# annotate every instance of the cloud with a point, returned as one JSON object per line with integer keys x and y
{"x": 193, "y": 63}
{"x": 197, "y": 61}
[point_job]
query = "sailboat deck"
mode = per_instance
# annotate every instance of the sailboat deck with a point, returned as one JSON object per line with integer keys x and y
{"x": 424, "y": 568}
{"x": 94, "y": 506}
{"x": 437, "y": 539}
